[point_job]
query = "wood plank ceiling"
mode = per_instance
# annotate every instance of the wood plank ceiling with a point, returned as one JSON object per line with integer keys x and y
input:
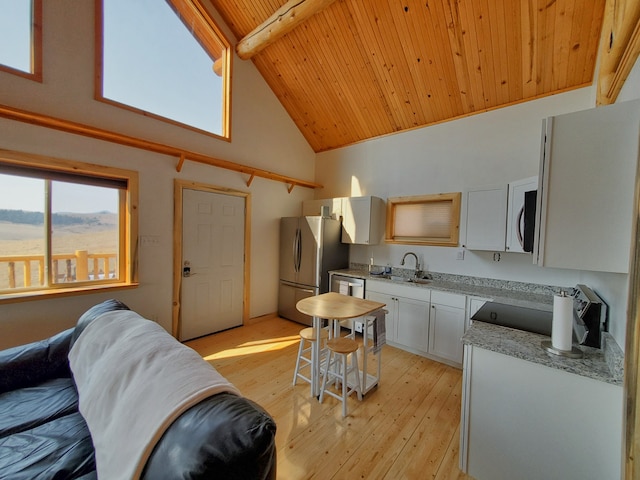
{"x": 365, "y": 68}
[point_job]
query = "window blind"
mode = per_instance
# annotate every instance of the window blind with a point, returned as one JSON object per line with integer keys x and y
{"x": 426, "y": 220}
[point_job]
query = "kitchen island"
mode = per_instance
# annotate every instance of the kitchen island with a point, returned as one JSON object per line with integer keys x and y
{"x": 529, "y": 414}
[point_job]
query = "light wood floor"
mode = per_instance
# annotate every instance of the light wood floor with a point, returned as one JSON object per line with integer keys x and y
{"x": 407, "y": 428}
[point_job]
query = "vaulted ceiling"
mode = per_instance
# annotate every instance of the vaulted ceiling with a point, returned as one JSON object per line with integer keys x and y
{"x": 364, "y": 68}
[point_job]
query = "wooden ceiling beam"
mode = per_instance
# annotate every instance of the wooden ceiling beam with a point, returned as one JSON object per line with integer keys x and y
{"x": 620, "y": 47}
{"x": 285, "y": 19}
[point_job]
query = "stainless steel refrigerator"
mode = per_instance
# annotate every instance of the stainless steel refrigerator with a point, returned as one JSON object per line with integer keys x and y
{"x": 309, "y": 248}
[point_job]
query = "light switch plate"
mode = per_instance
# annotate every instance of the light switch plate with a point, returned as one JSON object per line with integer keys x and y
{"x": 149, "y": 240}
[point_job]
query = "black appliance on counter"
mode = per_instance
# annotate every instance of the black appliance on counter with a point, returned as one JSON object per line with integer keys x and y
{"x": 589, "y": 317}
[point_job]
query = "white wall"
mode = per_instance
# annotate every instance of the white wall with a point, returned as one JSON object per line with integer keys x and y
{"x": 631, "y": 88}
{"x": 263, "y": 136}
{"x": 489, "y": 148}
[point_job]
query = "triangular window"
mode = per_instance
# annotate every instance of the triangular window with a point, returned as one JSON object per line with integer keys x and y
{"x": 165, "y": 58}
{"x": 21, "y": 38}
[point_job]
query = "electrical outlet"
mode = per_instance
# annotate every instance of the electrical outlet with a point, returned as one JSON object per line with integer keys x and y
{"x": 460, "y": 254}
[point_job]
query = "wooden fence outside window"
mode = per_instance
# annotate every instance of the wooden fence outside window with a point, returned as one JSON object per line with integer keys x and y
{"x": 67, "y": 267}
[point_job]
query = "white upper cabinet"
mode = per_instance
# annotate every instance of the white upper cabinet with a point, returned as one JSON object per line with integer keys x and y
{"x": 485, "y": 219}
{"x": 494, "y": 216}
{"x": 587, "y": 177}
{"x": 314, "y": 207}
{"x": 363, "y": 220}
{"x": 515, "y": 240}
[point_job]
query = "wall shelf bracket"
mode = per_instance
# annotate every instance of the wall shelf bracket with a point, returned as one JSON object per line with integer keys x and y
{"x": 180, "y": 163}
{"x": 253, "y": 175}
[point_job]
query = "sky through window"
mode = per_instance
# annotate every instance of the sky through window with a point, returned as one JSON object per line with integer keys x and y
{"x": 15, "y": 34}
{"x": 152, "y": 62}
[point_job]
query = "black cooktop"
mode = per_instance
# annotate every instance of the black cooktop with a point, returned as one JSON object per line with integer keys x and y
{"x": 522, "y": 318}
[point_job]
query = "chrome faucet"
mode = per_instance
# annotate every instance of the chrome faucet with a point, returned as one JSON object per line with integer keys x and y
{"x": 418, "y": 272}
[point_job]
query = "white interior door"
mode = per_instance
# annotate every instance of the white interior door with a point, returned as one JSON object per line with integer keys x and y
{"x": 213, "y": 262}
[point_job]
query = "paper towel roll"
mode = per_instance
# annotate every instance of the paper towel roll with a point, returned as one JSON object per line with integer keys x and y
{"x": 562, "y": 323}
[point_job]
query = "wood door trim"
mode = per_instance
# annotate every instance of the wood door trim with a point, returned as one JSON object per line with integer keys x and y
{"x": 178, "y": 188}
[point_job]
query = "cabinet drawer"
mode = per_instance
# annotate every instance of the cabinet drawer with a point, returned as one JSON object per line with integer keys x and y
{"x": 398, "y": 289}
{"x": 446, "y": 298}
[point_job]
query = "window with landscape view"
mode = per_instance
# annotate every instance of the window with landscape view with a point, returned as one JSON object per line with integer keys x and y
{"x": 64, "y": 226}
{"x": 21, "y": 37}
{"x": 164, "y": 58}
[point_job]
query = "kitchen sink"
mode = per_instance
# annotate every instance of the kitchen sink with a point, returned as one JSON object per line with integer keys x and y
{"x": 395, "y": 278}
{"x": 398, "y": 278}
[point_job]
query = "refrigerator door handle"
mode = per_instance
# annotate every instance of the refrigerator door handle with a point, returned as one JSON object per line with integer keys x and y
{"x": 296, "y": 251}
{"x": 293, "y": 251}
{"x": 299, "y": 251}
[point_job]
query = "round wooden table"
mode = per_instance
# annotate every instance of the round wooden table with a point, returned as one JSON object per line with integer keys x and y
{"x": 334, "y": 307}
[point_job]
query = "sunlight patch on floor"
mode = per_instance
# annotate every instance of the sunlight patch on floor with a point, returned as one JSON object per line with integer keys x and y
{"x": 250, "y": 348}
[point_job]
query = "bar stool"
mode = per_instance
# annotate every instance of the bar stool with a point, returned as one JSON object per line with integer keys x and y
{"x": 307, "y": 343}
{"x": 337, "y": 367}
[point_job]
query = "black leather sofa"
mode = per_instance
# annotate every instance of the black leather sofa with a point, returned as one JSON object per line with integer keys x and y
{"x": 43, "y": 434}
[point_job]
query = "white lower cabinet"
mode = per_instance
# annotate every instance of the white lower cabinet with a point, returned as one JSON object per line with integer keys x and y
{"x": 423, "y": 321}
{"x": 412, "y": 324}
{"x": 407, "y": 324}
{"x": 446, "y": 325}
{"x": 407, "y": 320}
{"x": 390, "y": 318}
{"x": 528, "y": 421}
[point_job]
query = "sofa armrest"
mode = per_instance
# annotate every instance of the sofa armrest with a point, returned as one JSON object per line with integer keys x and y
{"x": 94, "y": 312}
{"x": 33, "y": 363}
{"x": 224, "y": 436}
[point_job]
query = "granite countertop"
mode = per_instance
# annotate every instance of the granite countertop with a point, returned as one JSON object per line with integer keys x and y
{"x": 604, "y": 364}
{"x": 511, "y": 293}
